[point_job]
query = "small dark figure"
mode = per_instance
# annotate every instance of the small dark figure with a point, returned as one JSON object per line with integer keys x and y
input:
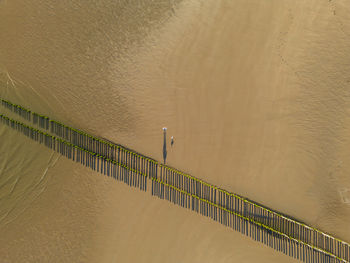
{"x": 164, "y": 145}
{"x": 172, "y": 140}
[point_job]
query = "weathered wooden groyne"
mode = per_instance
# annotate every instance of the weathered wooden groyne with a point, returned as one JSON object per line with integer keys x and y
{"x": 260, "y": 223}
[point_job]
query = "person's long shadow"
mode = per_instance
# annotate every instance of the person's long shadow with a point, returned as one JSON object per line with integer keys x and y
{"x": 164, "y": 145}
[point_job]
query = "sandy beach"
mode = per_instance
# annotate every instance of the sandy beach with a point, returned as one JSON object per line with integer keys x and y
{"x": 255, "y": 93}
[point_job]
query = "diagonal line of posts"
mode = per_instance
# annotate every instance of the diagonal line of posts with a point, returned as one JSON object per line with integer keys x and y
{"x": 262, "y": 224}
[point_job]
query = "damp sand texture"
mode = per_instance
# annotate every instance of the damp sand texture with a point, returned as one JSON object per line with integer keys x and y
{"x": 255, "y": 93}
{"x": 260, "y": 223}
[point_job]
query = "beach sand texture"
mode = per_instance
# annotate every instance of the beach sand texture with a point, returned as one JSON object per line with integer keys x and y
{"x": 256, "y": 94}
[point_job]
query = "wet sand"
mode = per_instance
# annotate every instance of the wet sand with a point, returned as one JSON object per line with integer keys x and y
{"x": 82, "y": 216}
{"x": 255, "y": 93}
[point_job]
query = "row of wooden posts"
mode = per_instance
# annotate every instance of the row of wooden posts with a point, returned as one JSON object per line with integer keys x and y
{"x": 262, "y": 224}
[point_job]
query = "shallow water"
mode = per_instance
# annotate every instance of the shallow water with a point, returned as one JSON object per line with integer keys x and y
{"x": 255, "y": 93}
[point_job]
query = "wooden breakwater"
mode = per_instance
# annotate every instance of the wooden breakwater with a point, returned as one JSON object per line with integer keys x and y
{"x": 262, "y": 224}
